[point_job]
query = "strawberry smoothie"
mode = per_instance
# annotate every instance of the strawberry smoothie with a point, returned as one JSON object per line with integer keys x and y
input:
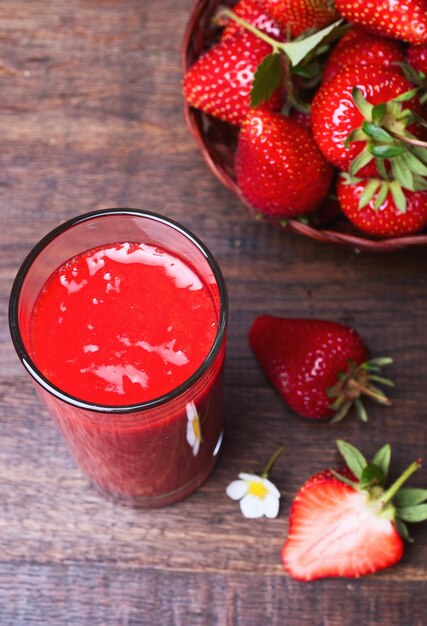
{"x": 122, "y": 333}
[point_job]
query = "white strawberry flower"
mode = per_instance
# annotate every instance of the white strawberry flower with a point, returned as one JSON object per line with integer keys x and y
{"x": 194, "y": 433}
{"x": 258, "y": 496}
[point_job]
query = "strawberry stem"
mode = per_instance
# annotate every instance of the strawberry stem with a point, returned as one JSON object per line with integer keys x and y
{"x": 391, "y": 491}
{"x": 412, "y": 140}
{"x": 368, "y": 391}
{"x": 271, "y": 462}
{"x": 224, "y": 12}
{"x": 296, "y": 51}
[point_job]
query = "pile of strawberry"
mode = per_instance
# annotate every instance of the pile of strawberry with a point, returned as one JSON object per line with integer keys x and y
{"x": 326, "y": 107}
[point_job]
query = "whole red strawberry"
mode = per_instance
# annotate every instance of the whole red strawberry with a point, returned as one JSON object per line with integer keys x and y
{"x": 346, "y": 523}
{"x": 374, "y": 206}
{"x": 359, "y": 47}
{"x": 416, "y": 56}
{"x": 319, "y": 367}
{"x": 404, "y": 19}
{"x": 220, "y": 81}
{"x": 297, "y": 16}
{"x": 274, "y": 160}
{"x": 344, "y": 109}
{"x": 254, "y": 14}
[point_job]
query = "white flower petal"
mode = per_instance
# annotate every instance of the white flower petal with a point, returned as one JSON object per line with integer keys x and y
{"x": 251, "y": 478}
{"x": 271, "y": 506}
{"x": 236, "y": 489}
{"x": 196, "y": 447}
{"x": 191, "y": 411}
{"x": 271, "y": 488}
{"x": 191, "y": 436}
{"x": 252, "y": 507}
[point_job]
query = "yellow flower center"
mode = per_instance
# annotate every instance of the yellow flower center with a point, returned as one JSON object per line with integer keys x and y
{"x": 196, "y": 427}
{"x": 258, "y": 489}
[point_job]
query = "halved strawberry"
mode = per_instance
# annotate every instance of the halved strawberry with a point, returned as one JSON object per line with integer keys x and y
{"x": 275, "y": 157}
{"x": 400, "y": 20}
{"x": 345, "y": 523}
{"x": 381, "y": 207}
{"x": 320, "y": 368}
{"x": 220, "y": 81}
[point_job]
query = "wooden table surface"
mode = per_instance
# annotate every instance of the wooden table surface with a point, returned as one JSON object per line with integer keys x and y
{"x": 91, "y": 117}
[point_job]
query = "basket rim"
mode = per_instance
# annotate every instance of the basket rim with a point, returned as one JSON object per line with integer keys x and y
{"x": 194, "y": 119}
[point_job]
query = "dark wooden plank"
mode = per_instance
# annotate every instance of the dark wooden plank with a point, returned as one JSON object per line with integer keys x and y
{"x": 90, "y": 117}
{"x": 81, "y": 594}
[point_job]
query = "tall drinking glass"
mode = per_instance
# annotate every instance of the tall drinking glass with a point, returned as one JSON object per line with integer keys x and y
{"x": 158, "y": 450}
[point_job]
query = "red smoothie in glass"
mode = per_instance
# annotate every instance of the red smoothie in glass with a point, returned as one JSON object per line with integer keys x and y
{"x": 123, "y": 324}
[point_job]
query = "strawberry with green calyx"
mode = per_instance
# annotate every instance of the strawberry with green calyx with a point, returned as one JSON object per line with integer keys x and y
{"x": 381, "y": 207}
{"x": 365, "y": 121}
{"x": 298, "y": 16}
{"x": 320, "y": 368}
{"x": 271, "y": 72}
{"x": 404, "y": 19}
{"x": 274, "y": 159}
{"x": 347, "y": 523}
{"x": 359, "y": 47}
{"x": 220, "y": 81}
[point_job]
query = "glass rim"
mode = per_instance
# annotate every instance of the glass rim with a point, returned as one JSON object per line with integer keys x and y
{"x": 44, "y": 382}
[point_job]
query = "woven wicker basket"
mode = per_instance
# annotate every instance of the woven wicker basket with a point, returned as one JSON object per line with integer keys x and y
{"x": 217, "y": 141}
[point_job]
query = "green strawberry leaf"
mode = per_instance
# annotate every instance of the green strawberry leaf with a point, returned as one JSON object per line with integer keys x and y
{"x": 420, "y": 152}
{"x": 267, "y": 78}
{"x": 369, "y": 191}
{"x": 362, "y": 159}
{"x": 378, "y": 113}
{"x": 402, "y": 173}
{"x": 362, "y": 104}
{"x": 372, "y": 475}
{"x": 414, "y": 164}
{"x": 296, "y": 51}
{"x": 376, "y": 132}
{"x": 381, "y": 380}
{"x": 361, "y": 411}
{"x": 399, "y": 197}
{"x": 354, "y": 459}
{"x": 386, "y": 152}
{"x": 379, "y": 164}
{"x": 382, "y": 459}
{"x": 381, "y": 361}
{"x": 344, "y": 479}
{"x": 420, "y": 183}
{"x": 416, "y": 513}
{"x": 409, "y": 496}
{"x": 382, "y": 195}
{"x": 402, "y": 529}
{"x": 408, "y": 95}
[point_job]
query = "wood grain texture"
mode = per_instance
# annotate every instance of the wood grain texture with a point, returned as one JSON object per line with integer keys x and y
{"x": 91, "y": 117}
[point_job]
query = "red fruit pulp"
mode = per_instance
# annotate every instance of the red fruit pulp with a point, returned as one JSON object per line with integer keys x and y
{"x": 122, "y": 324}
